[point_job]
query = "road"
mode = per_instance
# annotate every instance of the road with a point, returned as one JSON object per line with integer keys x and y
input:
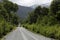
{"x": 23, "y": 34}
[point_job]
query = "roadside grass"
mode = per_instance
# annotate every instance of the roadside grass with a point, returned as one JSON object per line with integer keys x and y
{"x": 48, "y": 31}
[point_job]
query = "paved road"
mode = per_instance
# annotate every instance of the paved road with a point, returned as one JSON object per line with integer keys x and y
{"x": 23, "y": 34}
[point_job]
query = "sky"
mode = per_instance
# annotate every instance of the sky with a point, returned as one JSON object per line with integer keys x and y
{"x": 31, "y": 2}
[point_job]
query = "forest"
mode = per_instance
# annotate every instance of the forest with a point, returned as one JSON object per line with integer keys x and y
{"x": 45, "y": 21}
{"x": 8, "y": 18}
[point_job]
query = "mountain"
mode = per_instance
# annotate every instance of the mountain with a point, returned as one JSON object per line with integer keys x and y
{"x": 34, "y": 6}
{"x": 0, "y": 0}
{"x": 46, "y": 5}
{"x": 23, "y": 11}
{"x": 42, "y": 5}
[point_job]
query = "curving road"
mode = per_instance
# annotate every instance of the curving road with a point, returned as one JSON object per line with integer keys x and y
{"x": 23, "y": 34}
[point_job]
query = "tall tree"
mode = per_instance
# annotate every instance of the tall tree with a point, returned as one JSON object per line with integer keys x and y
{"x": 55, "y": 8}
{"x": 45, "y": 11}
{"x": 10, "y": 7}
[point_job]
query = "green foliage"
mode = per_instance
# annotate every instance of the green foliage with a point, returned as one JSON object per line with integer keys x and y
{"x": 32, "y": 18}
{"x": 41, "y": 11}
{"x": 38, "y": 12}
{"x": 48, "y": 31}
{"x": 45, "y": 21}
{"x": 8, "y": 17}
{"x": 55, "y": 8}
{"x": 15, "y": 20}
{"x": 5, "y": 27}
{"x": 45, "y": 11}
{"x": 10, "y": 7}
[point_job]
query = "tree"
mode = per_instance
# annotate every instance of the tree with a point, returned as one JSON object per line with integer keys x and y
{"x": 55, "y": 8}
{"x": 10, "y": 7}
{"x": 8, "y": 10}
{"x": 45, "y": 11}
{"x": 38, "y": 10}
{"x": 32, "y": 18}
{"x": 15, "y": 20}
{"x": 3, "y": 11}
{"x": 34, "y": 15}
{"x": 8, "y": 19}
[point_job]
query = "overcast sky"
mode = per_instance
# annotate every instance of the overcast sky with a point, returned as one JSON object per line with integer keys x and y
{"x": 31, "y": 2}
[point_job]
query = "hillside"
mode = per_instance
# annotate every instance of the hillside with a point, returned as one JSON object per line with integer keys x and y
{"x": 23, "y": 11}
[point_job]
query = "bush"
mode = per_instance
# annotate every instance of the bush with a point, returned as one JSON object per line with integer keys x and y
{"x": 5, "y": 27}
{"x": 48, "y": 31}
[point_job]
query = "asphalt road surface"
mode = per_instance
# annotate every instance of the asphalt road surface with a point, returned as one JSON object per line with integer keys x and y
{"x": 23, "y": 34}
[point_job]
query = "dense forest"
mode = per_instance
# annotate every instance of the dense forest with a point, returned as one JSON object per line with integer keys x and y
{"x": 45, "y": 21}
{"x": 8, "y": 18}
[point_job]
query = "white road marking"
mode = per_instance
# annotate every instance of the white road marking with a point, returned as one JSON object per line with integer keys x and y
{"x": 21, "y": 32}
{"x": 25, "y": 38}
{"x": 32, "y": 36}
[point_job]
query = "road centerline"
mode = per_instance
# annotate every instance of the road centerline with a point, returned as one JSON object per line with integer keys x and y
{"x": 30, "y": 35}
{"x": 25, "y": 38}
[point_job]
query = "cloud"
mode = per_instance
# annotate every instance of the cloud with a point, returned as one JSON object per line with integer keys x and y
{"x": 30, "y": 2}
{"x": 42, "y": 1}
{"x": 26, "y": 2}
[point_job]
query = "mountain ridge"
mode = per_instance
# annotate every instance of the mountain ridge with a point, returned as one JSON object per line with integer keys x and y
{"x": 42, "y": 5}
{"x": 23, "y": 11}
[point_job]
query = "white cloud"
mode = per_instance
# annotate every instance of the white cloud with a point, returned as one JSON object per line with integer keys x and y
{"x": 26, "y": 2}
{"x": 42, "y": 1}
{"x": 30, "y": 2}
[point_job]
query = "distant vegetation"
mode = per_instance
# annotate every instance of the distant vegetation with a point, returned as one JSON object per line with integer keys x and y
{"x": 45, "y": 21}
{"x": 8, "y": 17}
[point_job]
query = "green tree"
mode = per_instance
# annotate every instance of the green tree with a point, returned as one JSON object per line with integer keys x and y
{"x": 15, "y": 20}
{"x": 55, "y": 8}
{"x": 45, "y": 11}
{"x": 8, "y": 17}
{"x": 34, "y": 15}
{"x": 38, "y": 11}
{"x": 10, "y": 7}
{"x": 32, "y": 18}
{"x": 3, "y": 11}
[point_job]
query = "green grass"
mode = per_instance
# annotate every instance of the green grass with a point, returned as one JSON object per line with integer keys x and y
{"x": 48, "y": 31}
